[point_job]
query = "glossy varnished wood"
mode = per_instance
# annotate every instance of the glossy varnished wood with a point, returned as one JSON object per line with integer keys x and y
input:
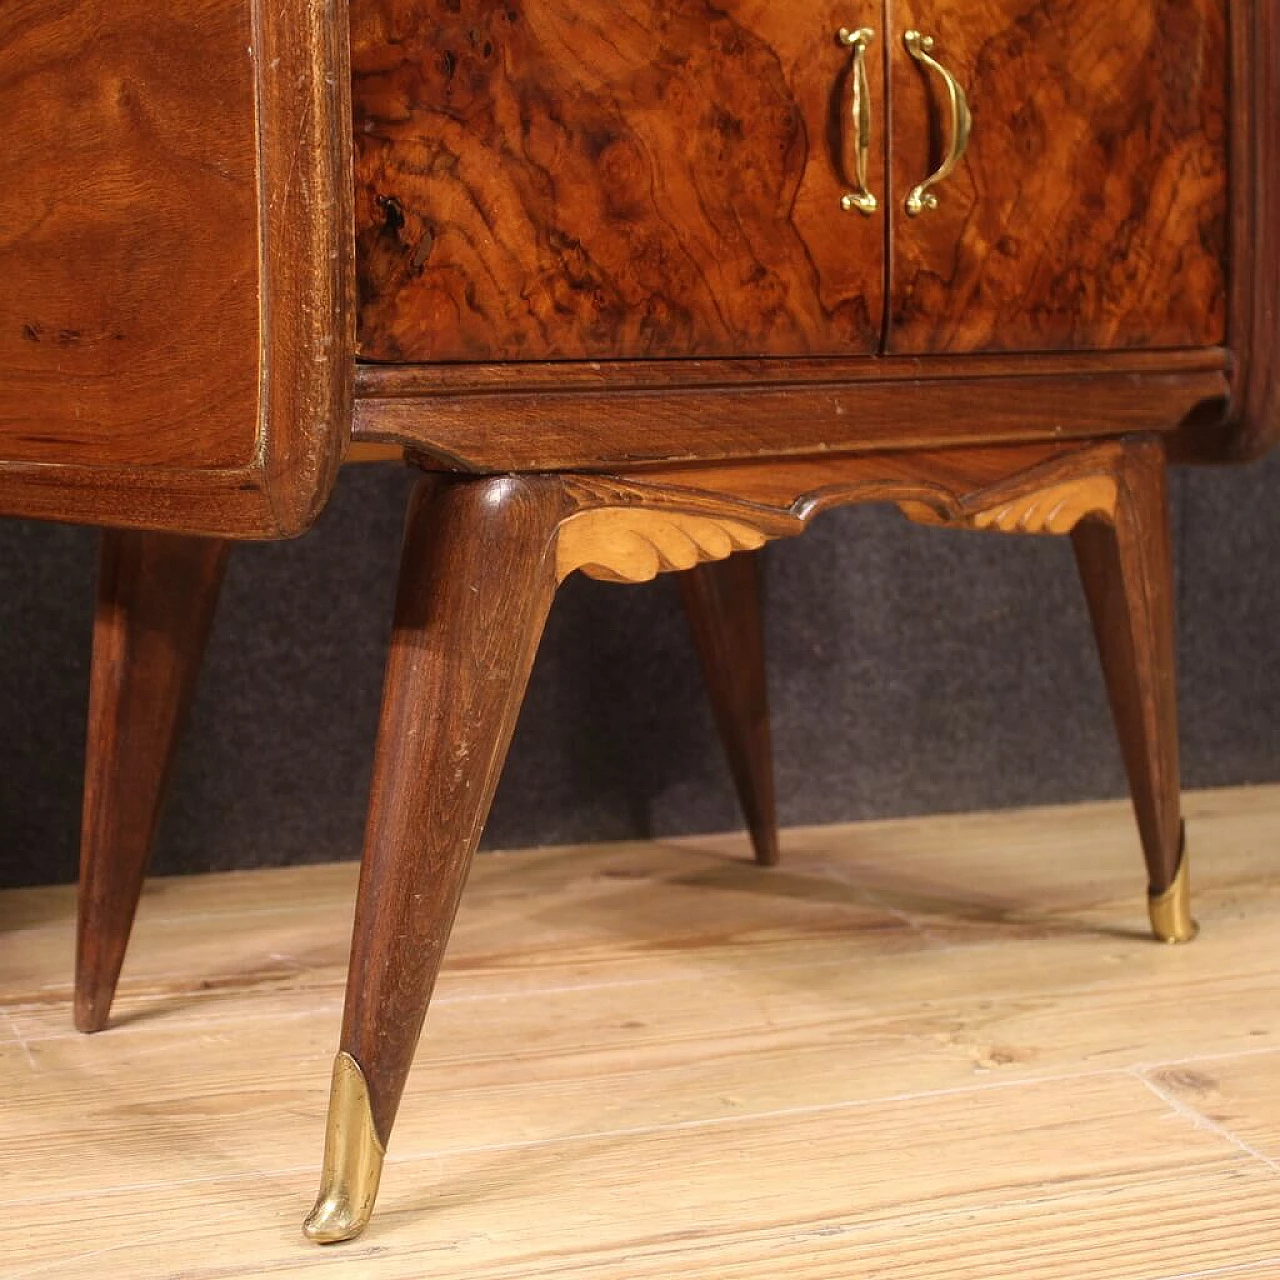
{"x": 1090, "y": 210}
{"x": 156, "y": 598}
{"x": 482, "y": 559}
{"x": 624, "y": 220}
{"x": 1255, "y": 234}
{"x": 476, "y": 582}
{"x": 176, "y": 318}
{"x": 1126, "y": 567}
{"x": 113, "y": 152}
{"x": 538, "y": 180}
{"x": 723, "y": 602}
{"x": 551, "y": 416}
{"x": 955, "y": 484}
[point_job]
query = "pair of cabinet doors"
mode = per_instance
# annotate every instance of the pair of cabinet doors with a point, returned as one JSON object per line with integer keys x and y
{"x": 581, "y": 179}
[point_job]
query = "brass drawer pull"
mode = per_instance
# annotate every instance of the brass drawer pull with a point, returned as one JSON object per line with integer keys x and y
{"x": 921, "y": 198}
{"x": 860, "y": 112}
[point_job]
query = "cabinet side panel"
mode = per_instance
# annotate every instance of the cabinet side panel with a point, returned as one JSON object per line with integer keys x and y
{"x": 129, "y": 326}
{"x": 1255, "y": 248}
{"x": 177, "y": 317}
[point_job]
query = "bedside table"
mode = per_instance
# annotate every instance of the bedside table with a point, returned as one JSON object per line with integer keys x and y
{"x": 638, "y": 287}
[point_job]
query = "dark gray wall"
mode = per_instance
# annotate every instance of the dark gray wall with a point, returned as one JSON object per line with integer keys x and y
{"x": 912, "y": 670}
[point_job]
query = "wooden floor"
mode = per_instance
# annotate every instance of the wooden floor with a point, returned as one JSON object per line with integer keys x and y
{"x": 940, "y": 1049}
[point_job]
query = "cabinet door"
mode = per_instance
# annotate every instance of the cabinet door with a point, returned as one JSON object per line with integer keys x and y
{"x": 569, "y": 179}
{"x": 1089, "y": 209}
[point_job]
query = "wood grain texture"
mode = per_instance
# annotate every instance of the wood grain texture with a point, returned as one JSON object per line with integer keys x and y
{"x": 722, "y": 600}
{"x": 481, "y": 563}
{"x": 634, "y": 544}
{"x": 1126, "y": 567}
{"x": 1091, "y": 209}
{"x": 156, "y": 598}
{"x": 1255, "y": 231}
{"x": 111, "y": 165}
{"x": 1113, "y": 501}
{"x": 601, "y": 180}
{"x": 1111, "y": 496}
{"x": 176, "y": 325}
{"x": 477, "y": 579}
{"x": 957, "y": 486}
{"x": 1055, "y": 509}
{"x": 611, "y": 1013}
{"x": 611, "y": 416}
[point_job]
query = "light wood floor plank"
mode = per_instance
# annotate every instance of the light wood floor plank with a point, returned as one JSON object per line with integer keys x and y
{"x": 1235, "y": 1095}
{"x": 935, "y": 1048}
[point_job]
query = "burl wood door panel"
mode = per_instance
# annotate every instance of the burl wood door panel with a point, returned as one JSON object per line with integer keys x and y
{"x": 1090, "y": 209}
{"x": 570, "y": 179}
{"x": 175, "y": 261}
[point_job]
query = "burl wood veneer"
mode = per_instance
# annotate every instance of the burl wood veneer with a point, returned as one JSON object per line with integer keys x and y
{"x": 598, "y": 180}
{"x": 639, "y": 287}
{"x": 1091, "y": 208}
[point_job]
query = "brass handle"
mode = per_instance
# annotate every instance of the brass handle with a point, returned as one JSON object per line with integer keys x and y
{"x": 860, "y": 112}
{"x": 921, "y": 198}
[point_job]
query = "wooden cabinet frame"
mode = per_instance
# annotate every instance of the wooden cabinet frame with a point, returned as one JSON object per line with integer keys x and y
{"x": 1211, "y": 403}
{"x": 621, "y": 469}
{"x": 1253, "y": 424}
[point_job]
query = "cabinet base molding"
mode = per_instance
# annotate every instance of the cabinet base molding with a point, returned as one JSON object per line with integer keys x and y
{"x": 605, "y": 417}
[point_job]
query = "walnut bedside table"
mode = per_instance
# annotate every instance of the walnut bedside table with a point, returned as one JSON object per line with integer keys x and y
{"x": 637, "y": 286}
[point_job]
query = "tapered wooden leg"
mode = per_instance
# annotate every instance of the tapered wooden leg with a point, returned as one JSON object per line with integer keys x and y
{"x": 156, "y": 598}
{"x": 722, "y": 600}
{"x": 1126, "y": 568}
{"x": 477, "y": 578}
{"x": 482, "y": 559}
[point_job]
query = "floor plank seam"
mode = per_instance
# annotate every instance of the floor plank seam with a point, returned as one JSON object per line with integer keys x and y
{"x": 1189, "y": 1060}
{"x": 594, "y": 1135}
{"x": 779, "y": 1113}
{"x": 644, "y": 1073}
{"x": 20, "y": 1041}
{"x": 1203, "y": 1122}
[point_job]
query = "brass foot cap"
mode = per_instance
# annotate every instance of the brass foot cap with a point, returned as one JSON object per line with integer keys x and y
{"x": 353, "y": 1156}
{"x": 1170, "y": 911}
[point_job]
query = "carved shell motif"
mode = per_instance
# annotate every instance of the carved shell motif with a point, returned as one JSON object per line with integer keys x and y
{"x": 634, "y": 544}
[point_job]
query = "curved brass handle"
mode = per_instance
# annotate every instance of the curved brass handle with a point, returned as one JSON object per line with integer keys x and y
{"x": 921, "y": 198}
{"x": 860, "y": 111}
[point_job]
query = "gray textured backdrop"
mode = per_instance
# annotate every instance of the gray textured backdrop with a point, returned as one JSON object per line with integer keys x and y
{"x": 912, "y": 670}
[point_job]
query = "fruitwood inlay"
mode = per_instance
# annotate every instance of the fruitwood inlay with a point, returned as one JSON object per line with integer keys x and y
{"x": 1055, "y": 509}
{"x": 537, "y": 180}
{"x": 1090, "y": 210}
{"x": 629, "y": 529}
{"x": 631, "y": 545}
